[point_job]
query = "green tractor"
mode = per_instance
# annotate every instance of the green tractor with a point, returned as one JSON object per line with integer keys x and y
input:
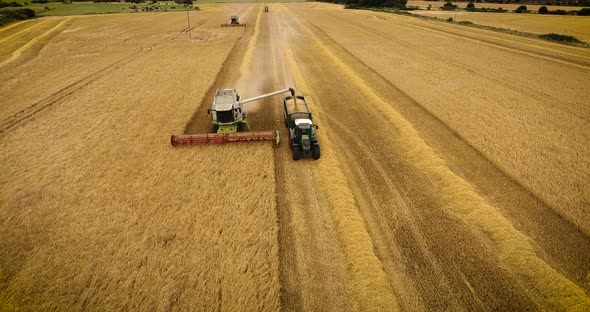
{"x": 302, "y": 131}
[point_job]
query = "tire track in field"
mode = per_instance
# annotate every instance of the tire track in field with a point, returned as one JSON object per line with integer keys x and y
{"x": 186, "y": 30}
{"x": 59, "y": 95}
{"x": 369, "y": 285}
{"x": 180, "y": 33}
{"x": 313, "y": 267}
{"x": 516, "y": 254}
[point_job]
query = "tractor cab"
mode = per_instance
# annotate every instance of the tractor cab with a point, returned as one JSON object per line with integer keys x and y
{"x": 304, "y": 133}
{"x": 302, "y": 127}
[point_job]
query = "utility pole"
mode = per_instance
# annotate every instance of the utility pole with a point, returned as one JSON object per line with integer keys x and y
{"x": 188, "y": 21}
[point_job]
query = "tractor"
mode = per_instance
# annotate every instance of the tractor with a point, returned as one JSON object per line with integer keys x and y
{"x": 302, "y": 130}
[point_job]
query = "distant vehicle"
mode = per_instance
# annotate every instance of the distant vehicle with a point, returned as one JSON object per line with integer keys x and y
{"x": 233, "y": 21}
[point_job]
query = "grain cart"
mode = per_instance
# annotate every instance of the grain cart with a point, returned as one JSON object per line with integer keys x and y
{"x": 233, "y": 21}
{"x": 230, "y": 121}
{"x": 302, "y": 131}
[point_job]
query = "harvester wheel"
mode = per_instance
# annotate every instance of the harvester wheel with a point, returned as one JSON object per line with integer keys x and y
{"x": 296, "y": 152}
{"x": 214, "y": 128}
{"x": 315, "y": 152}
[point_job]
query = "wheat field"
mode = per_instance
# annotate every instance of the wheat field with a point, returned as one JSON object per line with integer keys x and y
{"x": 453, "y": 173}
{"x": 91, "y": 189}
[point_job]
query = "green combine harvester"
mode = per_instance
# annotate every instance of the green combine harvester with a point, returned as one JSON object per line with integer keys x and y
{"x": 302, "y": 131}
{"x": 230, "y": 121}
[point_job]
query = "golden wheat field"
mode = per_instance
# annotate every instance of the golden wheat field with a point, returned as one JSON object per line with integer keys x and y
{"x": 453, "y": 176}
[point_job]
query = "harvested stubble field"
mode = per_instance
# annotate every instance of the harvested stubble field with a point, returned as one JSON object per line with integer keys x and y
{"x": 506, "y": 6}
{"x": 453, "y": 173}
{"x": 577, "y": 26}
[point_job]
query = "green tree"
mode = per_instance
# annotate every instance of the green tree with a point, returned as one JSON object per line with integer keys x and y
{"x": 449, "y": 6}
{"x": 372, "y": 3}
{"x": 543, "y": 10}
{"x": 521, "y": 9}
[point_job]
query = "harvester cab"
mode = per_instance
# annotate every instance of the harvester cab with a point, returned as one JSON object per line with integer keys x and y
{"x": 227, "y": 113}
{"x": 233, "y": 21}
{"x": 230, "y": 121}
{"x": 302, "y": 131}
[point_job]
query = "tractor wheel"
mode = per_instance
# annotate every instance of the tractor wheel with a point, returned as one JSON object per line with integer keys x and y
{"x": 315, "y": 152}
{"x": 296, "y": 152}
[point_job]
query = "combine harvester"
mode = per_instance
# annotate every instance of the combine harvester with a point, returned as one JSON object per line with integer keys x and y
{"x": 234, "y": 21}
{"x": 230, "y": 121}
